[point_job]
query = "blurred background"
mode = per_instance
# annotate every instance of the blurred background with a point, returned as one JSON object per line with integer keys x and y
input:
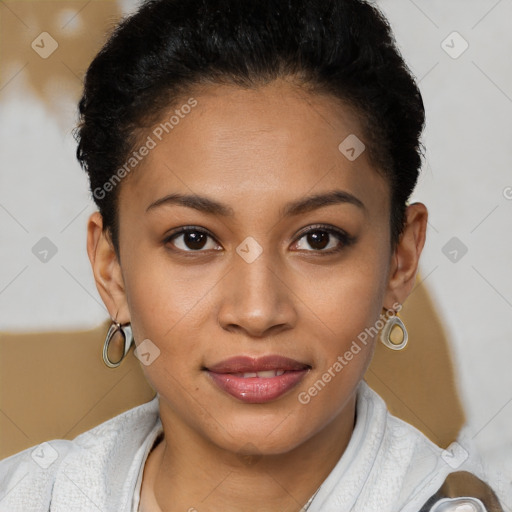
{"x": 460, "y": 53}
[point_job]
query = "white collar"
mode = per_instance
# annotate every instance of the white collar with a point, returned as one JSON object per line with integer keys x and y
{"x": 387, "y": 465}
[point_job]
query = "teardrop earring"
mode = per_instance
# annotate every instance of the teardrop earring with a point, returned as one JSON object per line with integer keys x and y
{"x": 126, "y": 332}
{"x": 386, "y": 333}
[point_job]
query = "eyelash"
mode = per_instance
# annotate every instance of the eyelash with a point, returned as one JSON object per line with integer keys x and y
{"x": 345, "y": 239}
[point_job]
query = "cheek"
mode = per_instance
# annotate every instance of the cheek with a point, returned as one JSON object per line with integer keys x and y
{"x": 349, "y": 307}
{"x": 163, "y": 296}
{"x": 345, "y": 352}
{"x": 162, "y": 309}
{"x": 348, "y": 299}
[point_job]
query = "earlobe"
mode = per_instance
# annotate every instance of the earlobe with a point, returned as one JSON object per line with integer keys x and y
{"x": 406, "y": 257}
{"x": 106, "y": 269}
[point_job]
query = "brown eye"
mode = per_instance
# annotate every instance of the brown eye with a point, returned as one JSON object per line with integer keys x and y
{"x": 191, "y": 240}
{"x": 324, "y": 240}
{"x": 318, "y": 239}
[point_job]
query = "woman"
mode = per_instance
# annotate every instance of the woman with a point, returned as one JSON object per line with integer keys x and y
{"x": 251, "y": 163}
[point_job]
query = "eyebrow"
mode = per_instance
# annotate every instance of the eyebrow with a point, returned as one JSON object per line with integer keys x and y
{"x": 300, "y": 206}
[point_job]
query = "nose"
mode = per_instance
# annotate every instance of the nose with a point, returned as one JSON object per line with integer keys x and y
{"x": 256, "y": 300}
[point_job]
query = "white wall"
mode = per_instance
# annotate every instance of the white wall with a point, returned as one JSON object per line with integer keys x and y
{"x": 466, "y": 185}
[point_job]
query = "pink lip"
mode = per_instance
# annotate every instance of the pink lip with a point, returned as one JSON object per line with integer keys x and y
{"x": 257, "y": 389}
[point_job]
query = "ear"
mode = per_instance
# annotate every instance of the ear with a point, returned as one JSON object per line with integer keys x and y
{"x": 405, "y": 259}
{"x": 106, "y": 269}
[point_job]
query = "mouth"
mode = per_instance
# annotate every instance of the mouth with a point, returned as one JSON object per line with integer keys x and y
{"x": 257, "y": 380}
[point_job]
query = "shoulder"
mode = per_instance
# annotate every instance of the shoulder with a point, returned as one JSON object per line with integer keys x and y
{"x": 418, "y": 468}
{"x": 399, "y": 439}
{"x": 30, "y": 479}
{"x": 29, "y": 474}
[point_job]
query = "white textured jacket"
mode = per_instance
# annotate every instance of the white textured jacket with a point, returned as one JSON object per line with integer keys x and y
{"x": 388, "y": 466}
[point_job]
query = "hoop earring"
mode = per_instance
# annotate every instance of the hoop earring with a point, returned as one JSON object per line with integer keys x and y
{"x": 126, "y": 332}
{"x": 385, "y": 335}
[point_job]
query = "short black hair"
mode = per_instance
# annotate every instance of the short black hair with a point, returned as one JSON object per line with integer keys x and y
{"x": 345, "y": 48}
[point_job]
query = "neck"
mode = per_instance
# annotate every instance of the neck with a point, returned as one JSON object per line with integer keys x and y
{"x": 194, "y": 475}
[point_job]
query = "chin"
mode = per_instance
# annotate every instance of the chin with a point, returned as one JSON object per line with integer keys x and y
{"x": 257, "y": 435}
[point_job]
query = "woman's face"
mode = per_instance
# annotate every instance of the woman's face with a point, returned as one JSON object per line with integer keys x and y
{"x": 247, "y": 281}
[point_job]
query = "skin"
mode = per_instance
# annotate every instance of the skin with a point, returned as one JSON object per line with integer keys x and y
{"x": 254, "y": 151}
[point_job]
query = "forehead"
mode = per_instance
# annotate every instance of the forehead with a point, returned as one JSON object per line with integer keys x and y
{"x": 277, "y": 141}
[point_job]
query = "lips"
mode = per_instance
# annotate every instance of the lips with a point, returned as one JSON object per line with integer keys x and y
{"x": 257, "y": 380}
